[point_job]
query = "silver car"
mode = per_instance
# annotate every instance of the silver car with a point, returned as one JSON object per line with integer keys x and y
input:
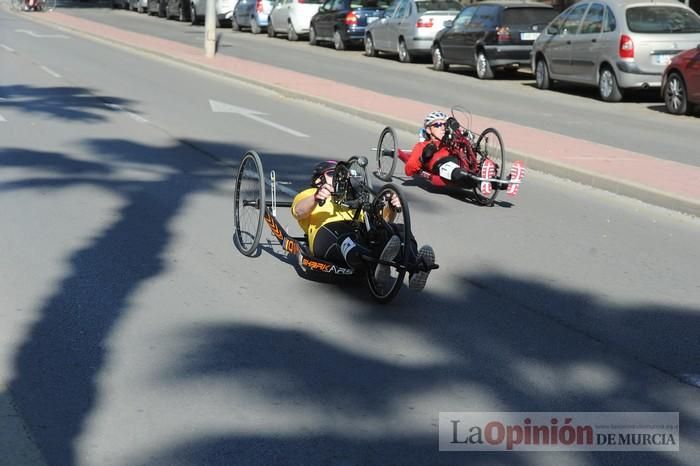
{"x": 614, "y": 44}
{"x": 408, "y": 27}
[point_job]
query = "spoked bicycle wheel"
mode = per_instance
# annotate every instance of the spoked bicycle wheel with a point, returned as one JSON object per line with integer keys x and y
{"x": 48, "y": 5}
{"x": 386, "y": 154}
{"x": 396, "y": 221}
{"x": 489, "y": 145}
{"x": 17, "y": 5}
{"x": 249, "y": 204}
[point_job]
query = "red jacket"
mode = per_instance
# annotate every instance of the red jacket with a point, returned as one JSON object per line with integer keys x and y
{"x": 414, "y": 166}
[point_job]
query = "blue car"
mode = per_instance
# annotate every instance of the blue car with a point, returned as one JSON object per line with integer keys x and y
{"x": 251, "y": 14}
{"x": 343, "y": 22}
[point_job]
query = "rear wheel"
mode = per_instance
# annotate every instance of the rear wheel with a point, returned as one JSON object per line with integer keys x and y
{"x": 255, "y": 27}
{"x": 483, "y": 67}
{"x": 542, "y": 74}
{"x": 607, "y": 86}
{"x": 438, "y": 59}
{"x": 181, "y": 16}
{"x": 389, "y": 221}
{"x": 338, "y": 42}
{"x": 490, "y": 146}
{"x": 249, "y": 204}
{"x": 370, "y": 51}
{"x": 676, "y": 95}
{"x": 312, "y": 36}
{"x": 404, "y": 54}
{"x": 292, "y": 33}
{"x": 386, "y": 154}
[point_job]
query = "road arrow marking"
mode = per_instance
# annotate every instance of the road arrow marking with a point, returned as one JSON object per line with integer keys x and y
{"x": 41, "y": 36}
{"x": 51, "y": 72}
{"x": 9, "y": 49}
{"x": 221, "y": 107}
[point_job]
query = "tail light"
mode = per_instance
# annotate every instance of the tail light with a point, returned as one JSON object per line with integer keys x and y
{"x": 300, "y": 1}
{"x": 351, "y": 19}
{"x": 626, "y": 47}
{"x": 503, "y": 34}
{"x": 259, "y": 6}
{"x": 424, "y": 23}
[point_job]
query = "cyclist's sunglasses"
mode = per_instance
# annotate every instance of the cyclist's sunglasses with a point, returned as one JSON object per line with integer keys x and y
{"x": 438, "y": 125}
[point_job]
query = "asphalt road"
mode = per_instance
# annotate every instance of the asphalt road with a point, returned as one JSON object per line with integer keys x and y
{"x": 134, "y": 333}
{"x": 639, "y": 124}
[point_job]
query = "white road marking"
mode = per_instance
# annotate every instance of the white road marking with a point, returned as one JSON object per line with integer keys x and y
{"x": 131, "y": 115}
{"x": 8, "y": 48}
{"x": 221, "y": 107}
{"x": 41, "y": 36}
{"x": 2, "y": 119}
{"x": 51, "y": 72}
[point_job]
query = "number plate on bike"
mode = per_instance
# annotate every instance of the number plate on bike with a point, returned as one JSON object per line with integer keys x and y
{"x": 446, "y": 170}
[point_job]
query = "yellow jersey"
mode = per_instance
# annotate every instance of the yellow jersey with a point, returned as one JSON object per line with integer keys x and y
{"x": 320, "y": 215}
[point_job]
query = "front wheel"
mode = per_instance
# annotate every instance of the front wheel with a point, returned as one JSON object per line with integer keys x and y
{"x": 312, "y": 36}
{"x": 542, "y": 79}
{"x": 249, "y": 204}
{"x": 386, "y": 154}
{"x": 370, "y": 51}
{"x": 438, "y": 59}
{"x": 490, "y": 146}
{"x": 676, "y": 95}
{"x": 270, "y": 29}
{"x": 388, "y": 221}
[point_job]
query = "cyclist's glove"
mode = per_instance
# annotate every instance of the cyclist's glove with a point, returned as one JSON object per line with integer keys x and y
{"x": 452, "y": 124}
{"x": 428, "y": 152}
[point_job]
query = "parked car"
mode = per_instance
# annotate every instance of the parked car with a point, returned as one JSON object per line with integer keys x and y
{"x": 491, "y": 36}
{"x": 156, "y": 7}
{"x": 408, "y": 27}
{"x": 343, "y": 22}
{"x": 120, "y": 4}
{"x": 681, "y": 82}
{"x": 292, "y": 17}
{"x": 179, "y": 9}
{"x": 251, "y": 14}
{"x": 138, "y": 5}
{"x": 223, "y": 9}
{"x": 614, "y": 44}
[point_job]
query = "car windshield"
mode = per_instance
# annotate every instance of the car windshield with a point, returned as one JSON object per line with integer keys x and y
{"x": 422, "y": 7}
{"x": 662, "y": 20}
{"x": 354, "y": 4}
{"x": 528, "y": 16}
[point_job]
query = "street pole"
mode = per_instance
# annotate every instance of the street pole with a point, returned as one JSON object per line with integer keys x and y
{"x": 210, "y": 29}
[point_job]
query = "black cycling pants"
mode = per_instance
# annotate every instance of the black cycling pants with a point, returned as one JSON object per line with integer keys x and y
{"x": 458, "y": 174}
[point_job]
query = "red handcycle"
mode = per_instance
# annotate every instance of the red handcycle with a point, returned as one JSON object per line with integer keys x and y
{"x": 482, "y": 156}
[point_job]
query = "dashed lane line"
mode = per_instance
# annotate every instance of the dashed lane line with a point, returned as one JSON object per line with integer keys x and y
{"x": 131, "y": 115}
{"x": 50, "y": 71}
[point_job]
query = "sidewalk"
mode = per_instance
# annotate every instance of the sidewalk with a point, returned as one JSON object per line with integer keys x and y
{"x": 660, "y": 182}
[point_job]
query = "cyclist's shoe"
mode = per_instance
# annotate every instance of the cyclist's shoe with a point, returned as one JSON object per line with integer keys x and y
{"x": 517, "y": 173}
{"x": 488, "y": 171}
{"x": 383, "y": 272}
{"x": 426, "y": 255}
{"x": 353, "y": 252}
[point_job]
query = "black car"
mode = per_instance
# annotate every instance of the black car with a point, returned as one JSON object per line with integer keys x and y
{"x": 490, "y": 36}
{"x": 179, "y": 9}
{"x": 343, "y": 22}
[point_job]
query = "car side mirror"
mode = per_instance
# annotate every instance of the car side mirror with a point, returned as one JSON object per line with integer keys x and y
{"x": 552, "y": 30}
{"x": 448, "y": 23}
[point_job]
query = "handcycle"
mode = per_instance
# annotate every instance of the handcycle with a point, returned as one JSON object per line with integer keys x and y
{"x": 33, "y": 5}
{"x": 375, "y": 220}
{"x": 482, "y": 156}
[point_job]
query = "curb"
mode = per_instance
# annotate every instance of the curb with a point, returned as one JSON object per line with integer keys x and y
{"x": 597, "y": 180}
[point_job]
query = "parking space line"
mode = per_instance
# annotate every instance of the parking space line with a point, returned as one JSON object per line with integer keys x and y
{"x": 8, "y": 48}
{"x": 50, "y": 71}
{"x": 131, "y": 115}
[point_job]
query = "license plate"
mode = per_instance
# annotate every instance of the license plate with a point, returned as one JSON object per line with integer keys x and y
{"x": 371, "y": 19}
{"x": 662, "y": 59}
{"x": 529, "y": 35}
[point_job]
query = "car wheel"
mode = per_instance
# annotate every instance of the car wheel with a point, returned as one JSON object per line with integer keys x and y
{"x": 312, "y": 36}
{"x": 607, "y": 86}
{"x": 338, "y": 41}
{"x": 161, "y": 10}
{"x": 193, "y": 15}
{"x": 292, "y": 33}
{"x": 404, "y": 54}
{"x": 181, "y": 16}
{"x": 483, "y": 68}
{"x": 270, "y": 29}
{"x": 255, "y": 27}
{"x": 676, "y": 95}
{"x": 234, "y": 24}
{"x": 438, "y": 59}
{"x": 370, "y": 51}
{"x": 542, "y": 74}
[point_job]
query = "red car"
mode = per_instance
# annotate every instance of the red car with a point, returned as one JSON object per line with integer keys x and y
{"x": 680, "y": 87}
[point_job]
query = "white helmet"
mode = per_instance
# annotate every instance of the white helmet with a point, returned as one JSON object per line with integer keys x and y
{"x": 432, "y": 117}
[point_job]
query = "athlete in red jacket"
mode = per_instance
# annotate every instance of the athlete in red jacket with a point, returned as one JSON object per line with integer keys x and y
{"x": 431, "y": 155}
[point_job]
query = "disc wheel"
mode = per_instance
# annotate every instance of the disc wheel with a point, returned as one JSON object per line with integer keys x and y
{"x": 489, "y": 145}
{"x": 386, "y": 154}
{"x": 389, "y": 221}
{"x": 249, "y": 204}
